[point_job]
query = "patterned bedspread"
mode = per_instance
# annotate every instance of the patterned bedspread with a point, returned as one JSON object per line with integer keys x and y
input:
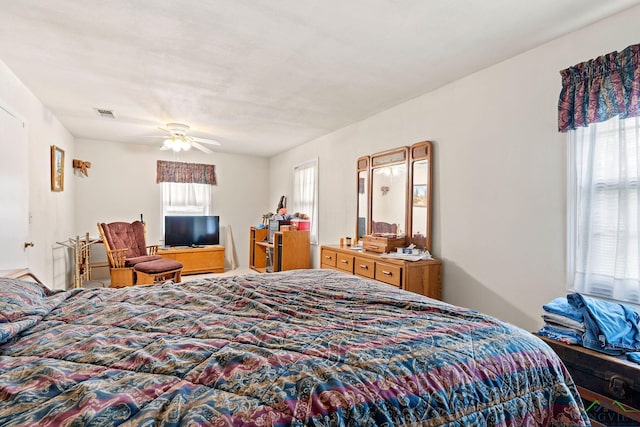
{"x": 312, "y": 347}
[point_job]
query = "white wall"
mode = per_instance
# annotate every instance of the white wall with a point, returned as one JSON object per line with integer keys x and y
{"x": 122, "y": 185}
{"x": 52, "y": 214}
{"x": 499, "y": 179}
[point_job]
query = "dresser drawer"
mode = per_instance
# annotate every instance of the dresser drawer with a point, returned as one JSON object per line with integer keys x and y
{"x": 364, "y": 267}
{"x": 345, "y": 262}
{"x": 388, "y": 273}
{"x": 328, "y": 258}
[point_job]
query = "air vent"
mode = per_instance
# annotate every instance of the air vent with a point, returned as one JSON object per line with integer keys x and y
{"x": 107, "y": 114}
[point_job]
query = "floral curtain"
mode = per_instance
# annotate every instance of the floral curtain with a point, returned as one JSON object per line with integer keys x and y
{"x": 181, "y": 172}
{"x": 599, "y": 89}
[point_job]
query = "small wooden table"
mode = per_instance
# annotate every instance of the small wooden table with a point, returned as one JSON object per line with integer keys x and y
{"x": 604, "y": 382}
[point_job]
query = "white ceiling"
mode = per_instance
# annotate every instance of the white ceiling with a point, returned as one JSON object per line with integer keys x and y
{"x": 261, "y": 76}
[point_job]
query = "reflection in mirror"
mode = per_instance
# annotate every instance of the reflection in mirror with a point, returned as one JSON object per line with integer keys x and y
{"x": 419, "y": 205}
{"x": 389, "y": 199}
{"x": 363, "y": 202}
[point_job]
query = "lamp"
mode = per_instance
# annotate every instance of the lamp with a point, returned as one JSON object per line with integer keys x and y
{"x": 177, "y": 143}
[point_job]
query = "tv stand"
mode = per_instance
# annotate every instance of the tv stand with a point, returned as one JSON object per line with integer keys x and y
{"x": 197, "y": 259}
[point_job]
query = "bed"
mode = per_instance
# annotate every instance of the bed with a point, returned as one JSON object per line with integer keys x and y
{"x": 303, "y": 347}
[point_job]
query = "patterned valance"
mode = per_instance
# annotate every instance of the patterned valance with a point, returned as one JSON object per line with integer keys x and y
{"x": 186, "y": 172}
{"x": 599, "y": 89}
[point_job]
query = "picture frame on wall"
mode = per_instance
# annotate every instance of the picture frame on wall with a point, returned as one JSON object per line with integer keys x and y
{"x": 57, "y": 168}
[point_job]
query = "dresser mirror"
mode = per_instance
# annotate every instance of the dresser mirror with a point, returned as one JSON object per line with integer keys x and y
{"x": 363, "y": 196}
{"x": 389, "y": 192}
{"x": 421, "y": 194}
{"x": 398, "y": 199}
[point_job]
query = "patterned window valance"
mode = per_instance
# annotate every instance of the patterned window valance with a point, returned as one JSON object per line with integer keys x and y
{"x": 186, "y": 172}
{"x": 599, "y": 89}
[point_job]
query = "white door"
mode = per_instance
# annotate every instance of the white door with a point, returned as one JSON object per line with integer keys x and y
{"x": 14, "y": 192}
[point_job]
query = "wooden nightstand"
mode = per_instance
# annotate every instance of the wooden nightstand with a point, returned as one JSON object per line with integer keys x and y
{"x": 604, "y": 382}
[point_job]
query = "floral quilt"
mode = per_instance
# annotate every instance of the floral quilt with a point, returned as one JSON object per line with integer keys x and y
{"x": 306, "y": 347}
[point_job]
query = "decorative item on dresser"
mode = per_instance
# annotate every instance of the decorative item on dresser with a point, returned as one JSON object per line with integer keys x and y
{"x": 422, "y": 277}
{"x": 609, "y": 383}
{"x": 207, "y": 259}
{"x": 289, "y": 250}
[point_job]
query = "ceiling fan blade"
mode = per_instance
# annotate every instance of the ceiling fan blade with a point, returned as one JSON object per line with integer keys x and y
{"x": 201, "y": 147}
{"x": 165, "y": 148}
{"x": 204, "y": 140}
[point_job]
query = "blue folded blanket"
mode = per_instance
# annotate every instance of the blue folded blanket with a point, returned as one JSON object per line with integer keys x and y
{"x": 612, "y": 328}
{"x": 562, "y": 307}
{"x": 559, "y": 334}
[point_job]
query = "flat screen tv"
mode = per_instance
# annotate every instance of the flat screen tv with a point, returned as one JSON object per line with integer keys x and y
{"x": 191, "y": 230}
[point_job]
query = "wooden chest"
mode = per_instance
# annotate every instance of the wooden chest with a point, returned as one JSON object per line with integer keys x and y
{"x": 608, "y": 385}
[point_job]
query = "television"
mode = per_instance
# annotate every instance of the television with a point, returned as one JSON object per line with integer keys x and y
{"x": 274, "y": 226}
{"x": 191, "y": 230}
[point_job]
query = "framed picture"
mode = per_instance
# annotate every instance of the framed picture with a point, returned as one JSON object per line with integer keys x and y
{"x": 57, "y": 168}
{"x": 420, "y": 195}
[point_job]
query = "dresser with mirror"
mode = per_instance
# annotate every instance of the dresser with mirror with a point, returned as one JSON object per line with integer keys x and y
{"x": 394, "y": 208}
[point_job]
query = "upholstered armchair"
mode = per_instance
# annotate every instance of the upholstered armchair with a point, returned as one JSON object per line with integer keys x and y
{"x": 131, "y": 261}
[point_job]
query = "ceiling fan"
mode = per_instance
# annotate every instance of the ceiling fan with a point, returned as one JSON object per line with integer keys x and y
{"x": 178, "y": 139}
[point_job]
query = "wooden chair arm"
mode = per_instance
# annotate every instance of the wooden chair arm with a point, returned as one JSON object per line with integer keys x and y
{"x": 152, "y": 250}
{"x": 117, "y": 257}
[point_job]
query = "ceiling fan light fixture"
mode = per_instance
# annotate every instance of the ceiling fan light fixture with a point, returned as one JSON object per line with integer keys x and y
{"x": 178, "y": 140}
{"x": 167, "y": 144}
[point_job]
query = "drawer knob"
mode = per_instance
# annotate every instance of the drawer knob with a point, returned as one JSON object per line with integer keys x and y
{"x": 386, "y": 273}
{"x": 327, "y": 256}
{"x": 364, "y": 267}
{"x": 344, "y": 261}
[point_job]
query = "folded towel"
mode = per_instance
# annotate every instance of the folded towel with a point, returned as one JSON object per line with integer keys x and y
{"x": 562, "y": 335}
{"x": 559, "y": 320}
{"x": 562, "y": 307}
{"x": 612, "y": 328}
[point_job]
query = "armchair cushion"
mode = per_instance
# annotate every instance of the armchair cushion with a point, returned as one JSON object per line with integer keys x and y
{"x": 125, "y": 235}
{"x": 158, "y": 266}
{"x": 130, "y": 262}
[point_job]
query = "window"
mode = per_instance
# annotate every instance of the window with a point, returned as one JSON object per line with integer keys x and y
{"x": 604, "y": 209}
{"x": 305, "y": 194}
{"x": 186, "y": 188}
{"x": 186, "y": 199}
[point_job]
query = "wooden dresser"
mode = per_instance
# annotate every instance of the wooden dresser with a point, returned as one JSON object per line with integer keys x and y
{"x": 422, "y": 277}
{"x": 608, "y": 385}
